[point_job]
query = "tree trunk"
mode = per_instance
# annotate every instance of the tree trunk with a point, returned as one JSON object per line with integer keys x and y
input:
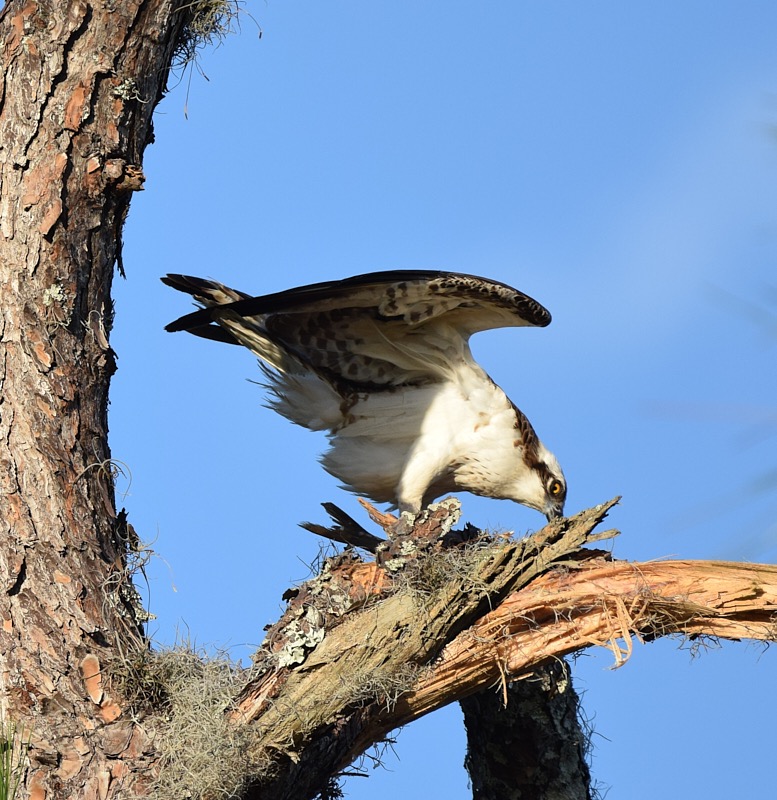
{"x": 526, "y": 739}
{"x": 79, "y": 84}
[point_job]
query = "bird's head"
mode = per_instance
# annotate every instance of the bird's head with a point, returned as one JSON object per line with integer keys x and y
{"x": 540, "y": 484}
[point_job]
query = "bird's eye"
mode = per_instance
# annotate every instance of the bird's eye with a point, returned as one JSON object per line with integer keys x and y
{"x": 555, "y": 488}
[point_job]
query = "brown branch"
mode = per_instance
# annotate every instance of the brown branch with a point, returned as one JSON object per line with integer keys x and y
{"x": 426, "y": 623}
{"x": 501, "y": 610}
{"x": 600, "y": 603}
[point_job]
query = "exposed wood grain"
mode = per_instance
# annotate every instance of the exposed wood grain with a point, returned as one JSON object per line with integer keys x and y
{"x": 380, "y": 666}
{"x": 606, "y": 604}
{"x": 377, "y": 645}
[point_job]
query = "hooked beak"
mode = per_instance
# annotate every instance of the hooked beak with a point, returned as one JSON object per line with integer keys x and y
{"x": 554, "y": 512}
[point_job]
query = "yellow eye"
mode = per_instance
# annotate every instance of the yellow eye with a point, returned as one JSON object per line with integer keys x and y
{"x": 555, "y": 488}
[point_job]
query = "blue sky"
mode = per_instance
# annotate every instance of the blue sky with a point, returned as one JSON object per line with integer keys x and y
{"x": 618, "y": 162}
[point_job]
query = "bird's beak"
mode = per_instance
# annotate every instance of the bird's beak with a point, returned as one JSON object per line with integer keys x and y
{"x": 554, "y": 512}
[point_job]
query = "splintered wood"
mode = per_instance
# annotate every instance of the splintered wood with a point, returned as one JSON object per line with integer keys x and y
{"x": 399, "y": 650}
{"x": 606, "y": 604}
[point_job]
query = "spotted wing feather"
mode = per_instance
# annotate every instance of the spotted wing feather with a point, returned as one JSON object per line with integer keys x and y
{"x": 380, "y": 329}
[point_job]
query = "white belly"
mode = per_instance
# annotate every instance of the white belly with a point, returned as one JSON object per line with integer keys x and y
{"x": 400, "y": 446}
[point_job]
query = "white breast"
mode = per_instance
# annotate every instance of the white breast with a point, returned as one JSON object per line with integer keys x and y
{"x": 395, "y": 445}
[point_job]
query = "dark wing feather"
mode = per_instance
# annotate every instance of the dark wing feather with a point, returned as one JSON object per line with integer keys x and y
{"x": 413, "y": 297}
{"x": 368, "y": 332}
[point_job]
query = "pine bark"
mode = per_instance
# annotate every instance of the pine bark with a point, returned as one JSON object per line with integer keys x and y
{"x": 525, "y": 739}
{"x": 78, "y": 86}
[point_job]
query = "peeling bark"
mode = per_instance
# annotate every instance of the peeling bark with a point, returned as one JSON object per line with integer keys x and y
{"x": 379, "y": 660}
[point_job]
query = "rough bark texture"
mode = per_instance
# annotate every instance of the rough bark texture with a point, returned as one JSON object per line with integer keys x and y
{"x": 524, "y": 739}
{"x": 357, "y": 653}
{"x": 78, "y": 85}
{"x": 349, "y": 690}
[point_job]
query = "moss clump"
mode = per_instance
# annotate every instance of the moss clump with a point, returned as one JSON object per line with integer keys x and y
{"x": 207, "y": 22}
{"x": 184, "y": 696}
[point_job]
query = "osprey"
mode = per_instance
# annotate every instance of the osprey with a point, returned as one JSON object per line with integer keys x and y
{"x": 382, "y": 362}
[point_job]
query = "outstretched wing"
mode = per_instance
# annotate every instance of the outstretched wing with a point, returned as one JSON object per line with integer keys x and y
{"x": 375, "y": 330}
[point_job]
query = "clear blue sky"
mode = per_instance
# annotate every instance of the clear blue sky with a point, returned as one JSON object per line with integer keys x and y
{"x": 616, "y": 161}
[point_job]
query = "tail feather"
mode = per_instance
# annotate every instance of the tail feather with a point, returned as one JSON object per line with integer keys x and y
{"x": 209, "y": 294}
{"x": 219, "y": 322}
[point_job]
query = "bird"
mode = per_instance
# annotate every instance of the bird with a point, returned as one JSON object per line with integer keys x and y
{"x": 382, "y": 363}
